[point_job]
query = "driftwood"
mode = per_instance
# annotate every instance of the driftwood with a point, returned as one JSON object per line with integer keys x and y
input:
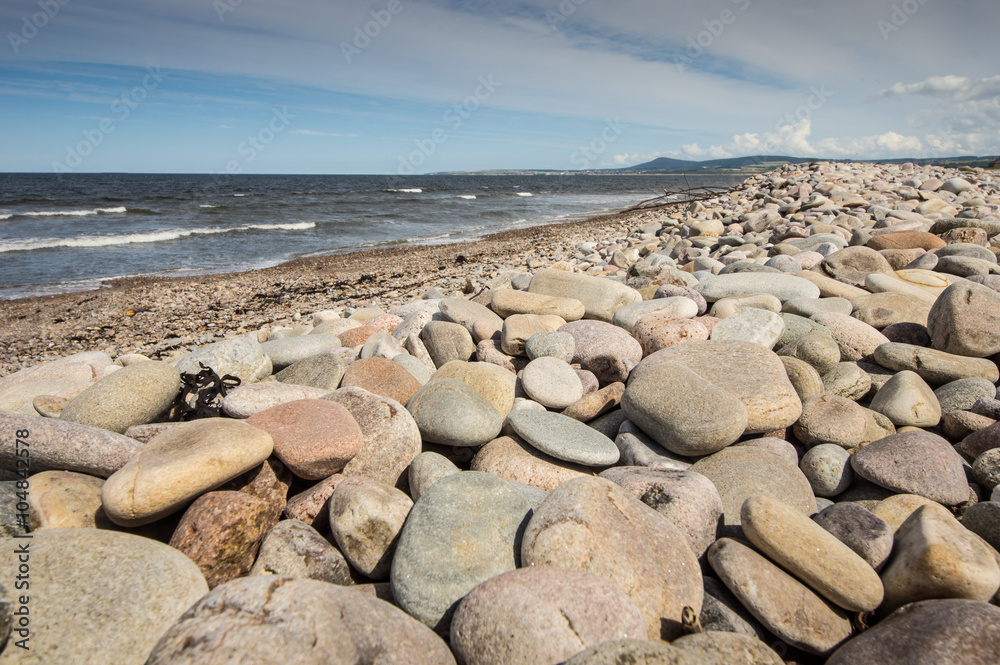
{"x": 685, "y": 196}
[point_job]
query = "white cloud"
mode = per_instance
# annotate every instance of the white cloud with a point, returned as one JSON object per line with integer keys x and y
{"x": 313, "y": 132}
{"x": 953, "y": 88}
{"x": 630, "y": 158}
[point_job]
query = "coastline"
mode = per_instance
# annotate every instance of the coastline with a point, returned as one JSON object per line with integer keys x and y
{"x": 173, "y": 313}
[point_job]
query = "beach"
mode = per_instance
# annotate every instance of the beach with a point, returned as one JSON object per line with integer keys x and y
{"x": 760, "y": 426}
{"x": 174, "y": 313}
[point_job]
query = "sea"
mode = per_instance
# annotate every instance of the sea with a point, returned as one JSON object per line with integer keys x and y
{"x": 75, "y": 232}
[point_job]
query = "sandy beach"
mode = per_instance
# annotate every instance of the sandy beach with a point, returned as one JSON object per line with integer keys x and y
{"x": 163, "y": 315}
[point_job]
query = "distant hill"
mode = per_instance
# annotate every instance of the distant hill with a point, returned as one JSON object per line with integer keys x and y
{"x": 766, "y": 162}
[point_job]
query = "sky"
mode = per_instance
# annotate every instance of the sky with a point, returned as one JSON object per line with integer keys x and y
{"x": 419, "y": 86}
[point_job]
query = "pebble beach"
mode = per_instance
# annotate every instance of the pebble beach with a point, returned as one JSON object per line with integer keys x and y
{"x": 757, "y": 428}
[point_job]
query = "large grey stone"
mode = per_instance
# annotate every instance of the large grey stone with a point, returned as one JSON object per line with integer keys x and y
{"x": 965, "y": 320}
{"x": 450, "y": 412}
{"x": 242, "y": 357}
{"x": 99, "y": 596}
{"x": 601, "y": 297}
{"x": 134, "y": 395}
{"x": 57, "y": 445}
{"x": 541, "y": 615}
{"x": 750, "y": 372}
{"x": 465, "y": 529}
{"x": 294, "y": 549}
{"x": 269, "y": 619}
{"x": 781, "y": 286}
{"x": 290, "y": 350}
{"x": 934, "y": 367}
{"x": 604, "y": 349}
{"x": 914, "y": 462}
{"x": 592, "y": 524}
{"x": 564, "y": 438}
{"x": 685, "y": 413}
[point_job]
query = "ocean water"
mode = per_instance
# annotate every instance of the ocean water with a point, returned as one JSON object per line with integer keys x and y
{"x": 72, "y": 232}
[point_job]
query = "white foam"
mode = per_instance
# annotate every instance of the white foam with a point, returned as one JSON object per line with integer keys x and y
{"x": 77, "y": 213}
{"x": 88, "y": 242}
{"x": 525, "y": 194}
{"x": 415, "y": 190}
{"x": 3, "y": 217}
{"x": 468, "y": 197}
{"x": 239, "y": 195}
{"x": 207, "y": 206}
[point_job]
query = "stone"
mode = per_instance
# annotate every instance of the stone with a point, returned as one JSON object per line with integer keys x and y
{"x": 516, "y": 461}
{"x": 279, "y": 620}
{"x": 753, "y": 374}
{"x": 446, "y": 341}
{"x": 390, "y": 438}
{"x": 781, "y": 286}
{"x": 986, "y": 470}
{"x": 126, "y": 591}
{"x": 65, "y": 499}
{"x": 449, "y": 412}
{"x": 57, "y": 445}
{"x": 757, "y": 326}
{"x": 552, "y": 383}
{"x": 507, "y": 302}
{"x": 961, "y": 394}
{"x": 914, "y": 462}
{"x": 831, "y": 288}
{"x": 908, "y": 333}
{"x": 243, "y": 357}
{"x": 673, "y": 290}
{"x": 354, "y": 338}
{"x": 604, "y": 349}
{"x": 894, "y": 509}
{"x": 134, "y": 395}
{"x": 314, "y": 438}
{"x": 677, "y": 306}
{"x": 721, "y": 611}
{"x": 296, "y": 550}
{"x": 740, "y": 472}
{"x": 541, "y": 615}
{"x": 659, "y": 331}
{"x": 934, "y": 367}
{"x": 322, "y": 371}
{"x": 467, "y": 312}
{"x": 868, "y": 535}
{"x": 684, "y": 412}
{"x": 519, "y": 328}
{"x": 686, "y": 498}
{"x": 728, "y": 648}
{"x": 827, "y": 467}
{"x": 601, "y": 297}
{"x": 593, "y": 525}
{"x": 857, "y": 340}
{"x": 804, "y": 377}
{"x": 854, "y": 259}
{"x": 965, "y": 321}
{"x": 564, "y": 438}
{"x": 957, "y": 186}
{"x": 907, "y": 401}
{"x": 20, "y": 397}
{"x": 268, "y": 482}
{"x": 881, "y": 310}
{"x": 465, "y": 529}
{"x": 934, "y": 556}
{"x": 556, "y": 344}
{"x": 246, "y": 401}
{"x": 806, "y": 307}
{"x": 639, "y": 652}
{"x": 312, "y": 505}
{"x": 926, "y": 633}
{"x": 381, "y": 345}
{"x": 421, "y": 372}
{"x": 290, "y": 350}
{"x": 784, "y": 605}
{"x": 810, "y": 553}
{"x": 726, "y": 307}
{"x": 906, "y": 240}
{"x": 79, "y": 368}
{"x": 381, "y": 377}
{"x": 779, "y": 447}
{"x": 595, "y": 404}
{"x": 983, "y": 519}
{"x": 365, "y": 519}
{"x": 221, "y": 532}
{"x": 429, "y": 467}
{"x": 828, "y": 419}
{"x": 817, "y": 348}
{"x": 179, "y": 465}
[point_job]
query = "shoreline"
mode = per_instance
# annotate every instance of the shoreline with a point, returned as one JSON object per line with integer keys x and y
{"x": 173, "y": 312}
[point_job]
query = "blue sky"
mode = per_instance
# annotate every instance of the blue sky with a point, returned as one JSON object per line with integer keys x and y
{"x": 399, "y": 86}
